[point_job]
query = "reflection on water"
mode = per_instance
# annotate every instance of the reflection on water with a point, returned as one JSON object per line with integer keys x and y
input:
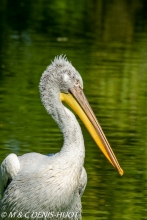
{"x": 110, "y": 54}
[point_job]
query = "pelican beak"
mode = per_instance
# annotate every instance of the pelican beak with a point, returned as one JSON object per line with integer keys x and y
{"x": 78, "y": 102}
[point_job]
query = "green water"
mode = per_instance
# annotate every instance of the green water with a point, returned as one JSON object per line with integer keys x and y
{"x": 106, "y": 41}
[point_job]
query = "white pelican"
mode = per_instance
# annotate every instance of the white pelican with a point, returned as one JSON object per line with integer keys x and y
{"x": 36, "y": 183}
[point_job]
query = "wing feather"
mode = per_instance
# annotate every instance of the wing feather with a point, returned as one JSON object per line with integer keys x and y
{"x": 83, "y": 182}
{"x": 8, "y": 170}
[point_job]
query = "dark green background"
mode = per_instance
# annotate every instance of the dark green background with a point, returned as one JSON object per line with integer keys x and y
{"x": 106, "y": 41}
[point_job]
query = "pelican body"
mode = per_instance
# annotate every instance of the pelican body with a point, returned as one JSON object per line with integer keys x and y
{"x": 36, "y": 183}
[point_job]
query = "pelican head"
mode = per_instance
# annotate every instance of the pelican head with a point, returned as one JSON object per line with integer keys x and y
{"x": 69, "y": 87}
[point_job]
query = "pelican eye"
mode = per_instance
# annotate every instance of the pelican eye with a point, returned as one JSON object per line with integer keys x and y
{"x": 76, "y": 83}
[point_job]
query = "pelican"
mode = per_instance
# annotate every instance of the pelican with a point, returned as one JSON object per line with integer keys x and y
{"x": 36, "y": 183}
